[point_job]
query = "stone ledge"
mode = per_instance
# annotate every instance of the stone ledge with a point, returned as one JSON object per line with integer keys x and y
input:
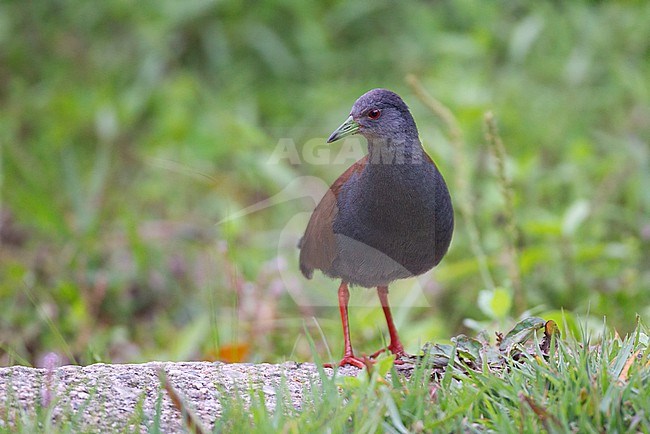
{"x": 104, "y": 397}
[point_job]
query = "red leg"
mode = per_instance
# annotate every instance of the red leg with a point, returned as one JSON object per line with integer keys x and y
{"x": 395, "y": 345}
{"x": 348, "y": 356}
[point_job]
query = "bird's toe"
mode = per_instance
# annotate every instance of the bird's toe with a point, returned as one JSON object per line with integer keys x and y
{"x": 349, "y": 360}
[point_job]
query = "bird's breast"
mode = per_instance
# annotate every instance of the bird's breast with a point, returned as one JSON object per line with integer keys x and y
{"x": 399, "y": 214}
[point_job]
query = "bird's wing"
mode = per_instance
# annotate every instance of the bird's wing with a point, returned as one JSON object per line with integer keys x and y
{"x": 318, "y": 247}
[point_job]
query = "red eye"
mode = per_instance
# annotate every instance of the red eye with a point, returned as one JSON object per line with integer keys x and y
{"x": 374, "y": 114}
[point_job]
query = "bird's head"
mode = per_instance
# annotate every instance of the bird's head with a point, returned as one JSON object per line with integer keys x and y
{"x": 378, "y": 115}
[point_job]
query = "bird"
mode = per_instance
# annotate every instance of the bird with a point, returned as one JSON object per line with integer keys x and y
{"x": 389, "y": 216}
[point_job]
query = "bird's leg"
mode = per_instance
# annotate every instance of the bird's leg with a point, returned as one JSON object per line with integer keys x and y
{"x": 348, "y": 356}
{"x": 395, "y": 345}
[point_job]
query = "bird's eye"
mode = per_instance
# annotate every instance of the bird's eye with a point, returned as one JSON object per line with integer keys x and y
{"x": 374, "y": 114}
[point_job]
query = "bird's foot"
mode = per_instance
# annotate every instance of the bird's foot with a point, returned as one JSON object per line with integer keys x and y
{"x": 350, "y": 359}
{"x": 397, "y": 350}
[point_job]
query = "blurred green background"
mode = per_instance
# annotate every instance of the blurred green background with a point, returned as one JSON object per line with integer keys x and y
{"x": 129, "y": 130}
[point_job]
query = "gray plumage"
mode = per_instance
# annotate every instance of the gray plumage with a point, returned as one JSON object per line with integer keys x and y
{"x": 389, "y": 216}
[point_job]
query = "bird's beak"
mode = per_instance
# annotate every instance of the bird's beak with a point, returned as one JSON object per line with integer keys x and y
{"x": 347, "y": 128}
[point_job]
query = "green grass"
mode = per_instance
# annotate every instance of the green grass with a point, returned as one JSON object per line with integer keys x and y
{"x": 127, "y": 133}
{"x": 579, "y": 385}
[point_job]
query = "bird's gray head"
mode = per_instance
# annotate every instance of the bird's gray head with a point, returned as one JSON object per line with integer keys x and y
{"x": 379, "y": 115}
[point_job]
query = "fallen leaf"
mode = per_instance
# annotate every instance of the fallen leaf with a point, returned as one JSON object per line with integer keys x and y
{"x": 520, "y": 333}
{"x": 231, "y": 353}
{"x": 626, "y": 368}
